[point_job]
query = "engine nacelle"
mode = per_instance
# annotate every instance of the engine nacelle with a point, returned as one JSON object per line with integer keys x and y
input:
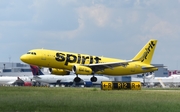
{"x": 58, "y": 71}
{"x": 83, "y": 70}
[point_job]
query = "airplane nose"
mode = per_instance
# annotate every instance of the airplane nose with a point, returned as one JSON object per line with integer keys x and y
{"x": 23, "y": 58}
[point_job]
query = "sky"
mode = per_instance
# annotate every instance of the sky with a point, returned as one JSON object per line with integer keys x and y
{"x": 110, "y": 28}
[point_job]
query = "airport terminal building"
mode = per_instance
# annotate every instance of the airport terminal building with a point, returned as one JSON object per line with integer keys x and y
{"x": 14, "y": 69}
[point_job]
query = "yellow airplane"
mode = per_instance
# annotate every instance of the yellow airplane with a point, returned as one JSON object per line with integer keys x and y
{"x": 83, "y": 64}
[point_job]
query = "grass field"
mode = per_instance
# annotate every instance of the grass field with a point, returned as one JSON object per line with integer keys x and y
{"x": 44, "y": 99}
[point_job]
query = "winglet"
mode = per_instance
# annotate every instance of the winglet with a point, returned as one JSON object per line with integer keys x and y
{"x": 146, "y": 53}
{"x": 35, "y": 70}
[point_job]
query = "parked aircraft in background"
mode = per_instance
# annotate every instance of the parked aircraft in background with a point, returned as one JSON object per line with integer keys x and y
{"x": 83, "y": 64}
{"x": 64, "y": 80}
{"x": 173, "y": 80}
{"x": 11, "y": 80}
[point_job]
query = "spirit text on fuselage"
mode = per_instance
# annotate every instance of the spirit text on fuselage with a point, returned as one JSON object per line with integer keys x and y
{"x": 72, "y": 58}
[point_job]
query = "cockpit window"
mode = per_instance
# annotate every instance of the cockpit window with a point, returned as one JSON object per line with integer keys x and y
{"x": 33, "y": 53}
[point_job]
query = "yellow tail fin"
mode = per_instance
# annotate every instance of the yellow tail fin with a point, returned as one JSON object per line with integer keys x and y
{"x": 146, "y": 53}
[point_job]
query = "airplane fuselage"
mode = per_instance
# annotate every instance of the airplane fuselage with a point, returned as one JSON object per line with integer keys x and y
{"x": 52, "y": 79}
{"x": 66, "y": 60}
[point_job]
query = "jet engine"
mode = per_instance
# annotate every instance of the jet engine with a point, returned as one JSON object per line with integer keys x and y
{"x": 83, "y": 70}
{"x": 58, "y": 71}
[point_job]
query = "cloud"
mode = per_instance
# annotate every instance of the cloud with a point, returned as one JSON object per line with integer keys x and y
{"x": 117, "y": 28}
{"x": 159, "y": 27}
{"x": 67, "y": 2}
{"x": 60, "y": 35}
{"x": 98, "y": 13}
{"x": 163, "y": 27}
{"x": 12, "y": 23}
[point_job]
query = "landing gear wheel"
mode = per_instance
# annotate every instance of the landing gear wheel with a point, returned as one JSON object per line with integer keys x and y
{"x": 77, "y": 79}
{"x": 58, "y": 82}
{"x": 93, "y": 79}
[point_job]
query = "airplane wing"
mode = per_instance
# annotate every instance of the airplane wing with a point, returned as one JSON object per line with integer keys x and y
{"x": 102, "y": 66}
{"x": 146, "y": 68}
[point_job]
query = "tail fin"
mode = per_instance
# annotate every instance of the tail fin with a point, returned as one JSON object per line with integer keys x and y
{"x": 146, "y": 53}
{"x": 36, "y": 70}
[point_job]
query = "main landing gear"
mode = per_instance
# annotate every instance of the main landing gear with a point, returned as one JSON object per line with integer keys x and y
{"x": 77, "y": 79}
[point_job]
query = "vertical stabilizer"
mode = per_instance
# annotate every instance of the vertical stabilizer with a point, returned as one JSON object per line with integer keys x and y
{"x": 146, "y": 53}
{"x": 36, "y": 70}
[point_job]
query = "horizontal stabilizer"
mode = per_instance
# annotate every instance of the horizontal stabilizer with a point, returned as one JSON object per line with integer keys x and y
{"x": 153, "y": 66}
{"x": 146, "y": 68}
